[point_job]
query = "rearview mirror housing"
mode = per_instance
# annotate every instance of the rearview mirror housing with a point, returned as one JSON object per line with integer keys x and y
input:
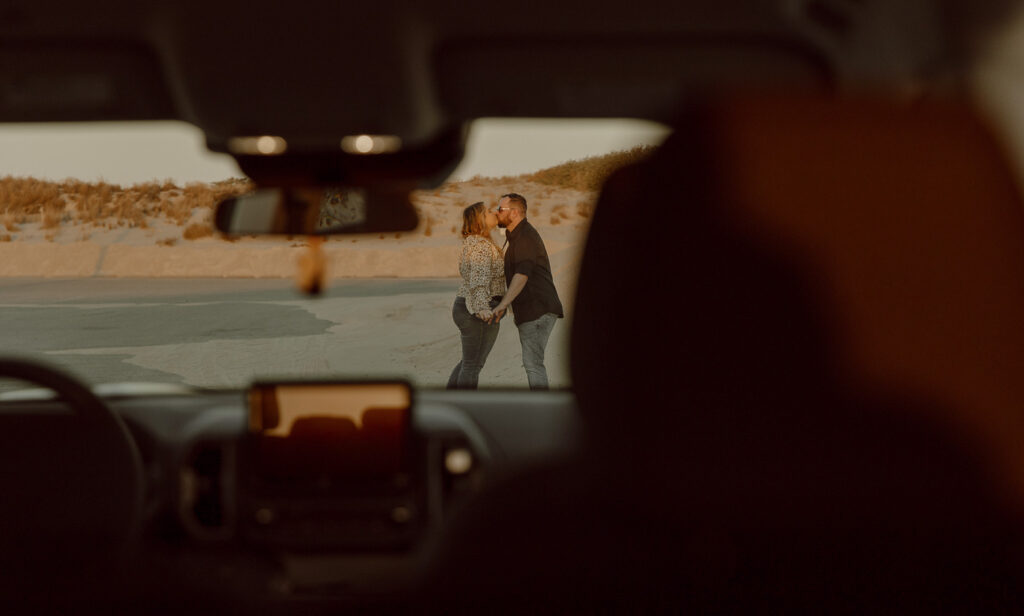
{"x": 326, "y": 192}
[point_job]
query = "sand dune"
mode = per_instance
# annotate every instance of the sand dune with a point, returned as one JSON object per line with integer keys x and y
{"x": 157, "y": 247}
{"x": 74, "y": 228}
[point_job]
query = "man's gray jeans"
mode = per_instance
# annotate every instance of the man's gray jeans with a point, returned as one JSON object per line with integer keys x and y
{"x": 533, "y": 336}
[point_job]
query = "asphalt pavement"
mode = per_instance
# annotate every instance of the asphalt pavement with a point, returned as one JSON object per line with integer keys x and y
{"x": 89, "y": 326}
{"x": 218, "y": 333}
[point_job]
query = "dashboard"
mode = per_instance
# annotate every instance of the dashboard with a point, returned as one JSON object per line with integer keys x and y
{"x": 205, "y": 533}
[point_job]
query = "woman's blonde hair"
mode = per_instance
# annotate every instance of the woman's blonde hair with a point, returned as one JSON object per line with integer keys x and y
{"x": 473, "y": 222}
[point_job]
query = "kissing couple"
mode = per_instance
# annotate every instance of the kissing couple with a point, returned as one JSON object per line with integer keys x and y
{"x": 494, "y": 280}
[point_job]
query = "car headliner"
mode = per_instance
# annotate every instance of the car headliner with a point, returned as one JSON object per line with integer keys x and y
{"x": 329, "y": 69}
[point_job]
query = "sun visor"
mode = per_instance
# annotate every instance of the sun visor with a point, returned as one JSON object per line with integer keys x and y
{"x": 73, "y": 83}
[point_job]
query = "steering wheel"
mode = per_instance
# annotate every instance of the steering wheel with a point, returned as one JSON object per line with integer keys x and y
{"x": 71, "y": 483}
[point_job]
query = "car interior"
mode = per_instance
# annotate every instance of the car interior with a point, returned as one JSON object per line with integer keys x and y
{"x": 795, "y": 339}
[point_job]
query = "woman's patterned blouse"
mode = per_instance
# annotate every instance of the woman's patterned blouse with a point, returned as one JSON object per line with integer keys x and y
{"x": 483, "y": 273}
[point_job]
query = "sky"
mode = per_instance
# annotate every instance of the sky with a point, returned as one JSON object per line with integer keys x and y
{"x": 129, "y": 153}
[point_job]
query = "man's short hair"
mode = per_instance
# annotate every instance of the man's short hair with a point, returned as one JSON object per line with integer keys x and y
{"x": 517, "y": 199}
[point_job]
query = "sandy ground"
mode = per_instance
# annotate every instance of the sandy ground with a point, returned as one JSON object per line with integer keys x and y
{"x": 407, "y": 334}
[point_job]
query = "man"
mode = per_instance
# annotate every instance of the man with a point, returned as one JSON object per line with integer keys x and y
{"x": 531, "y": 287}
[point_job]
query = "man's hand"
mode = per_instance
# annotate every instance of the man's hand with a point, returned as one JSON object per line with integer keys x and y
{"x": 514, "y": 289}
{"x": 499, "y": 312}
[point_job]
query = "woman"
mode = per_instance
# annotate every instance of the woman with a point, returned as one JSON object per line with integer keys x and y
{"x": 483, "y": 283}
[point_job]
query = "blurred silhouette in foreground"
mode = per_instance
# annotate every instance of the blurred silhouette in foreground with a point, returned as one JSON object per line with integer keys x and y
{"x": 827, "y": 415}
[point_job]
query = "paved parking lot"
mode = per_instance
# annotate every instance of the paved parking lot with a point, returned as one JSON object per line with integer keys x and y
{"x": 225, "y": 332}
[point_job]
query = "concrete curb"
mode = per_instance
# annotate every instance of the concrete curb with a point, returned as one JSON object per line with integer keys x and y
{"x": 220, "y": 260}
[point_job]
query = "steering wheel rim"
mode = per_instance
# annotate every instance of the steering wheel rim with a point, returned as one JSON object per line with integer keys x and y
{"x": 75, "y": 480}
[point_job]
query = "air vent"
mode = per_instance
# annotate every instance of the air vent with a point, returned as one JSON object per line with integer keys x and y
{"x": 205, "y": 506}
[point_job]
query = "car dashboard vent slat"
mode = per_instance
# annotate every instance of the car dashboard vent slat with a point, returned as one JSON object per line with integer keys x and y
{"x": 205, "y": 507}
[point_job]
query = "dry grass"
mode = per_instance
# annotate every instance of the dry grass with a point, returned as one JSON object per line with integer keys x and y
{"x": 28, "y": 196}
{"x": 53, "y": 215}
{"x": 586, "y": 174}
{"x": 197, "y": 230}
{"x": 589, "y": 174}
{"x": 10, "y": 219}
{"x": 105, "y": 205}
{"x": 585, "y": 209}
{"x": 6, "y": 237}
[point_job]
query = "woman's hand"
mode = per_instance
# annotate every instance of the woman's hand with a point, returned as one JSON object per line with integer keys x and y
{"x": 485, "y": 315}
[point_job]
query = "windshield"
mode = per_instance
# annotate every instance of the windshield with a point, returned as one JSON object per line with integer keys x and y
{"x": 110, "y": 268}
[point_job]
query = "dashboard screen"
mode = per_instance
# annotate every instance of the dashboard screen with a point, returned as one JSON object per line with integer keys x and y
{"x": 329, "y": 432}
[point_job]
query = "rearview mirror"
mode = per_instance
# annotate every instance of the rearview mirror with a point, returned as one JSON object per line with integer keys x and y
{"x": 317, "y": 211}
